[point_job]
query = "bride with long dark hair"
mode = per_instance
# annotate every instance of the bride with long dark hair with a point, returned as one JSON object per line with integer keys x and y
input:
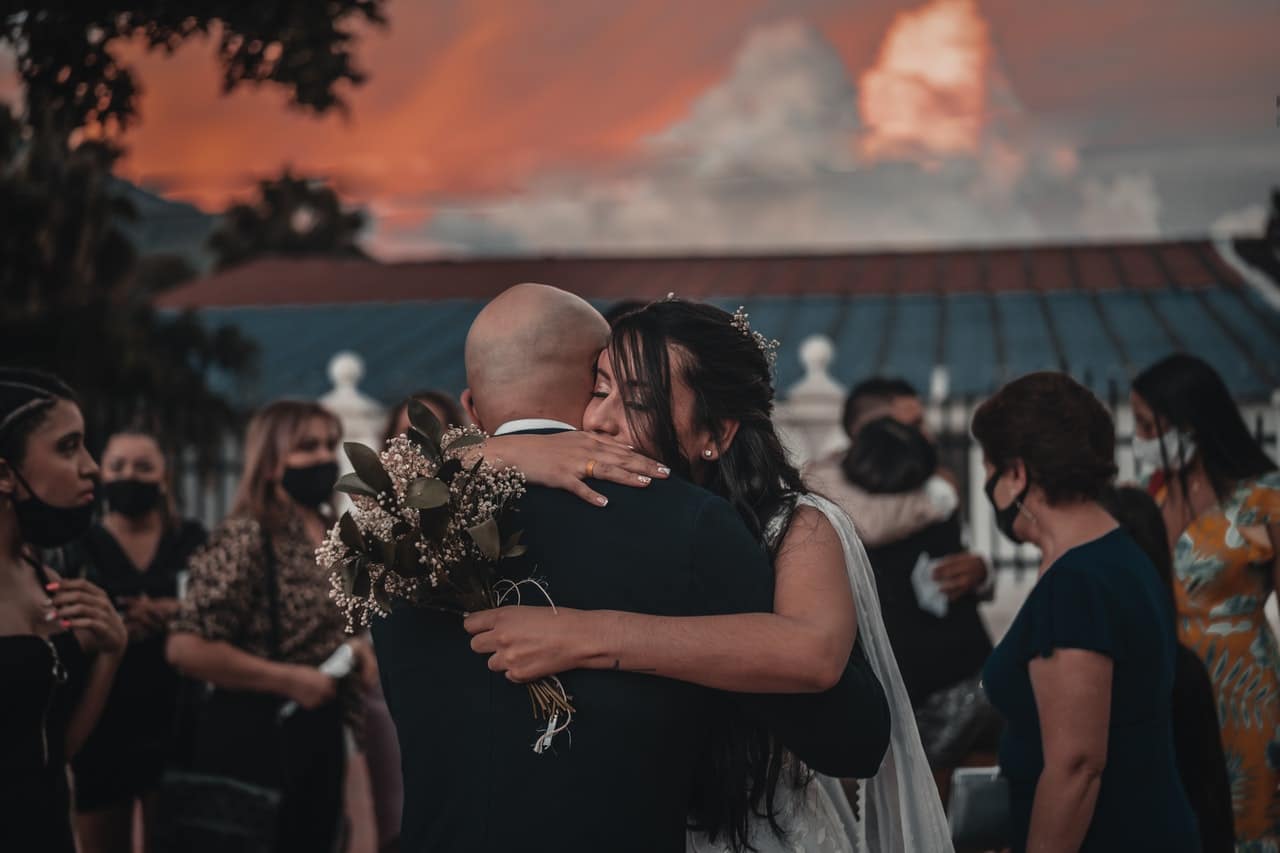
{"x": 691, "y": 385}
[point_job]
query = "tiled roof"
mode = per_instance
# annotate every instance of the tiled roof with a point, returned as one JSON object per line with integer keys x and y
{"x": 1142, "y": 266}
{"x": 1101, "y": 312}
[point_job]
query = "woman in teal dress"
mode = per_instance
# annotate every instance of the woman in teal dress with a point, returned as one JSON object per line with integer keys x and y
{"x": 1084, "y": 676}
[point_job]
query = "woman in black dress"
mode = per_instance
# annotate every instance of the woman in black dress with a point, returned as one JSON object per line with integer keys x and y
{"x": 1084, "y": 675}
{"x": 136, "y": 555}
{"x": 60, "y": 638}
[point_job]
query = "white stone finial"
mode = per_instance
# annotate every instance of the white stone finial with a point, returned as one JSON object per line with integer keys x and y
{"x": 346, "y": 369}
{"x": 816, "y": 354}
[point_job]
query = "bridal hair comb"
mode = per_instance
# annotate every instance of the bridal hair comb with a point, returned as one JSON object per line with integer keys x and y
{"x": 768, "y": 346}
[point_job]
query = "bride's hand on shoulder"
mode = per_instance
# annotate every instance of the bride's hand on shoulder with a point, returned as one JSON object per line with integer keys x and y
{"x": 566, "y": 460}
{"x": 528, "y": 643}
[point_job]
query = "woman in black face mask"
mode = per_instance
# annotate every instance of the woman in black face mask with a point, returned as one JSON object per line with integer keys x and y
{"x": 60, "y": 638}
{"x": 257, "y": 622}
{"x": 136, "y": 555}
{"x": 1084, "y": 675}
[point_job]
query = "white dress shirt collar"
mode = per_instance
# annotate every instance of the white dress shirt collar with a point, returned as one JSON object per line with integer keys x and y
{"x": 526, "y": 424}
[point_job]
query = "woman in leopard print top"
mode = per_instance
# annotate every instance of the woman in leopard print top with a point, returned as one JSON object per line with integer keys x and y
{"x": 262, "y": 558}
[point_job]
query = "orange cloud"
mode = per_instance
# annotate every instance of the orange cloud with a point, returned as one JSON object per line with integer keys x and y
{"x": 927, "y": 93}
{"x": 463, "y": 98}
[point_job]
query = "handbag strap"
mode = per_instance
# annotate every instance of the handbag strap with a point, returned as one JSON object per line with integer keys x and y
{"x": 273, "y": 595}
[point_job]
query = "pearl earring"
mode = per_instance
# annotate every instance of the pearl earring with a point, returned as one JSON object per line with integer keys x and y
{"x": 707, "y": 453}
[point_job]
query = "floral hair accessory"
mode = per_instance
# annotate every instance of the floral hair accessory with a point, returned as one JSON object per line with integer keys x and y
{"x": 768, "y": 346}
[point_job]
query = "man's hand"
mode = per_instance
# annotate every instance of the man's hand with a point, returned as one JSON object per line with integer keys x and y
{"x": 960, "y": 575}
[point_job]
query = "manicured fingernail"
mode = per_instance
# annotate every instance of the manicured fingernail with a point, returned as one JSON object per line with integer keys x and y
{"x": 664, "y": 470}
{"x": 51, "y": 586}
{"x": 65, "y": 624}
{"x": 646, "y": 480}
{"x": 602, "y": 500}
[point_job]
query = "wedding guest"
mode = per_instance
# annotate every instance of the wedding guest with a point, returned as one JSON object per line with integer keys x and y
{"x": 60, "y": 638}
{"x": 1220, "y": 497}
{"x": 257, "y": 621}
{"x": 1197, "y": 743}
{"x": 446, "y": 409}
{"x": 940, "y": 644}
{"x": 135, "y": 554}
{"x": 1084, "y": 675}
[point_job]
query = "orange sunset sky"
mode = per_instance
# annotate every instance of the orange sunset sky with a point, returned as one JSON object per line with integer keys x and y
{"x": 500, "y": 126}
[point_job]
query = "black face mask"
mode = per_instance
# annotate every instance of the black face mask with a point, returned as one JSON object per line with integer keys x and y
{"x": 1006, "y": 516}
{"x": 311, "y": 486}
{"x": 131, "y": 498}
{"x": 47, "y": 526}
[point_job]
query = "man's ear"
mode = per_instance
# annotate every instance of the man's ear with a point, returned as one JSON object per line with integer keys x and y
{"x": 469, "y": 404}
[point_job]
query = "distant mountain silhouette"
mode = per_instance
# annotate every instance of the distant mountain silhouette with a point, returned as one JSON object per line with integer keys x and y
{"x": 165, "y": 227}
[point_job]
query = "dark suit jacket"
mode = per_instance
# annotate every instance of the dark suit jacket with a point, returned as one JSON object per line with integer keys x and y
{"x": 621, "y": 780}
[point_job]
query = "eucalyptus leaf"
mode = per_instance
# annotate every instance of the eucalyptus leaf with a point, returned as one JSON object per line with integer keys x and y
{"x": 434, "y": 523}
{"x": 360, "y": 582}
{"x": 425, "y": 422}
{"x": 368, "y": 466}
{"x": 351, "y": 484}
{"x": 426, "y": 493}
{"x": 351, "y": 570}
{"x": 406, "y": 559}
{"x": 349, "y": 533}
{"x": 388, "y": 554}
{"x": 511, "y": 546}
{"x": 448, "y": 470}
{"x": 464, "y": 441}
{"x": 429, "y": 449}
{"x": 487, "y": 539}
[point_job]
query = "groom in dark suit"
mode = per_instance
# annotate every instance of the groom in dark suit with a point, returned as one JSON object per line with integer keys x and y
{"x": 622, "y": 777}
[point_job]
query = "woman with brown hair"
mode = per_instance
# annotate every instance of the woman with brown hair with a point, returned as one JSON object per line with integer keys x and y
{"x": 257, "y": 622}
{"x": 1084, "y": 675}
{"x": 446, "y": 409}
{"x": 136, "y": 554}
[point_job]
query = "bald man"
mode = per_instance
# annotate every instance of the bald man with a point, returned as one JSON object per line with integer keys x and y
{"x": 531, "y": 354}
{"x": 622, "y": 779}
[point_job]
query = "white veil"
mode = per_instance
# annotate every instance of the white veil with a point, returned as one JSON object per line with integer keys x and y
{"x": 901, "y": 810}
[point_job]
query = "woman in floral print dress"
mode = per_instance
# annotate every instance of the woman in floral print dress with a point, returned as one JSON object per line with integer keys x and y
{"x": 1220, "y": 494}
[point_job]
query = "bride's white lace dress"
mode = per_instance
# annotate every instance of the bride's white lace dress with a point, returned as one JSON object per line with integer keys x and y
{"x": 899, "y": 807}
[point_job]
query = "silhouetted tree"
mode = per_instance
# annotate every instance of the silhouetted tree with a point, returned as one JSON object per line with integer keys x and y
{"x": 72, "y": 298}
{"x": 292, "y": 216}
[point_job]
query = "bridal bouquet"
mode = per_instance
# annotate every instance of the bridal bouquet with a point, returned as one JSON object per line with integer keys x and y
{"x": 429, "y": 530}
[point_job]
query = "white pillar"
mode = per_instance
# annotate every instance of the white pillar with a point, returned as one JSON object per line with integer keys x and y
{"x": 363, "y": 418}
{"x": 809, "y": 418}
